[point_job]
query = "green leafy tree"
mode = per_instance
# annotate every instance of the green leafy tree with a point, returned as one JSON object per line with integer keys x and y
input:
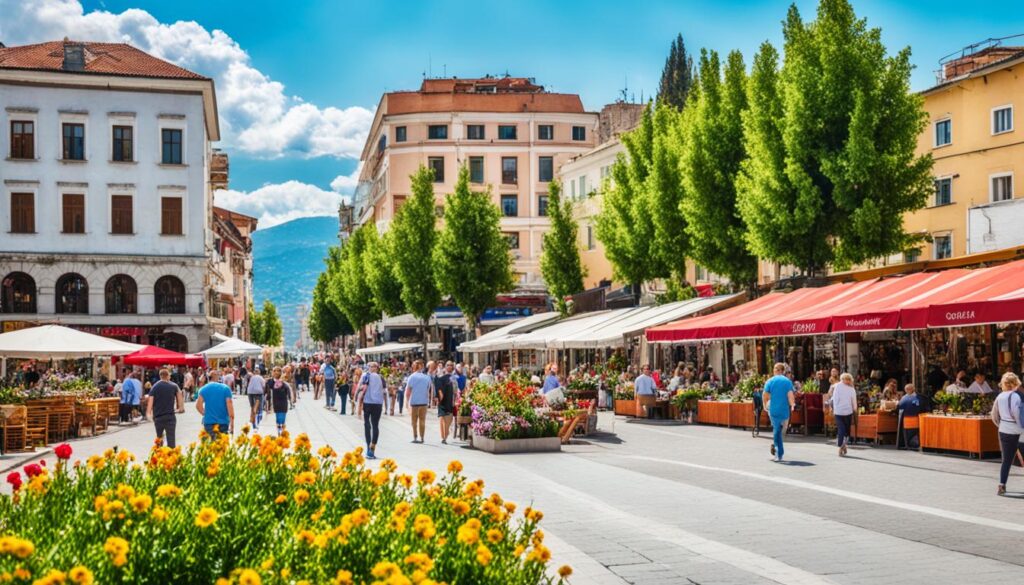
{"x": 624, "y": 224}
{"x": 472, "y": 261}
{"x": 414, "y": 232}
{"x": 712, "y": 152}
{"x": 677, "y": 76}
{"x": 831, "y": 138}
{"x": 665, "y": 193}
{"x": 560, "y": 261}
{"x": 349, "y": 289}
{"x": 255, "y": 325}
{"x": 378, "y": 269}
{"x": 326, "y": 322}
{"x": 272, "y": 330}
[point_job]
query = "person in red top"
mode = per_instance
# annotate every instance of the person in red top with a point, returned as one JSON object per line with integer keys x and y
{"x": 656, "y": 374}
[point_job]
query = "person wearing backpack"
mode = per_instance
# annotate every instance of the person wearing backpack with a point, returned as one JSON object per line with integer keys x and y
{"x": 1006, "y": 414}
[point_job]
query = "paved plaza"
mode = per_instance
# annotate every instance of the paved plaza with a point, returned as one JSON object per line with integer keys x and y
{"x": 657, "y": 504}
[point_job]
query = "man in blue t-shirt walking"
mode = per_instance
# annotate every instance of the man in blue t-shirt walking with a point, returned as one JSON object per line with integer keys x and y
{"x": 779, "y": 398}
{"x": 330, "y": 375}
{"x": 216, "y": 406}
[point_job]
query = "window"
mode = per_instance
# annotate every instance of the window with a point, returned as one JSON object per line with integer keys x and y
{"x": 123, "y": 141}
{"x": 572, "y": 189}
{"x": 73, "y": 208}
{"x": 943, "y": 246}
{"x": 74, "y": 141}
{"x": 170, "y": 216}
{"x": 545, "y": 132}
{"x": 583, "y": 186}
{"x": 943, "y": 132}
{"x": 1002, "y": 119}
{"x": 590, "y": 238}
{"x": 169, "y": 294}
{"x": 911, "y": 256}
{"x": 579, "y": 133}
{"x": 439, "y": 211}
{"x": 396, "y": 203}
{"x": 510, "y": 205}
{"x": 18, "y": 294}
{"x": 509, "y": 170}
{"x": 72, "y": 294}
{"x": 121, "y": 295}
{"x": 700, "y": 273}
{"x": 506, "y": 132}
{"x": 400, "y": 135}
{"x": 542, "y": 205}
{"x": 475, "y": 132}
{"x": 436, "y": 163}
{"x": 23, "y": 213}
{"x": 606, "y": 171}
{"x": 23, "y": 139}
{"x": 476, "y": 169}
{"x": 437, "y": 132}
{"x": 382, "y": 143}
{"x": 121, "y": 214}
{"x": 546, "y": 167}
{"x": 943, "y": 191}
{"x": 171, "y": 140}
{"x": 513, "y": 240}
{"x": 1002, "y": 187}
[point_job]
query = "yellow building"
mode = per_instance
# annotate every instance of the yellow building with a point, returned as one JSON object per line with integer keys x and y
{"x": 973, "y": 138}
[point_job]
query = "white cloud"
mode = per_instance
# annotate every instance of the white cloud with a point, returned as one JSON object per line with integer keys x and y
{"x": 257, "y": 116}
{"x": 346, "y": 184}
{"x": 281, "y": 202}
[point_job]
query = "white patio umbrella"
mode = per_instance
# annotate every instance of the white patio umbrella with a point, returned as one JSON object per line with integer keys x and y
{"x": 58, "y": 343}
{"x": 233, "y": 347}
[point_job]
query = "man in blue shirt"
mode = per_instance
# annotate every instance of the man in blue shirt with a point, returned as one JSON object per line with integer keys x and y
{"x": 779, "y": 398}
{"x": 909, "y": 406}
{"x": 216, "y": 406}
{"x": 551, "y": 381}
{"x": 644, "y": 383}
{"x": 417, "y": 394}
{"x": 131, "y": 391}
{"x": 330, "y": 377}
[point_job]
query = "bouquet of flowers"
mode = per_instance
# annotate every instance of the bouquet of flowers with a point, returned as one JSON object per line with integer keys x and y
{"x": 509, "y": 411}
{"x": 625, "y": 391}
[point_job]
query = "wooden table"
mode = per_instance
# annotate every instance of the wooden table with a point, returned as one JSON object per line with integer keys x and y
{"x": 872, "y": 426}
{"x": 971, "y": 435}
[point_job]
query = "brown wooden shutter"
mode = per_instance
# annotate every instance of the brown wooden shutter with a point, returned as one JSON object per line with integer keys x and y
{"x": 121, "y": 214}
{"x": 23, "y": 213}
{"x": 74, "y": 213}
{"x": 170, "y": 214}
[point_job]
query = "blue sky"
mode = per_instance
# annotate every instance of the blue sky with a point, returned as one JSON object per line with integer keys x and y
{"x": 336, "y": 58}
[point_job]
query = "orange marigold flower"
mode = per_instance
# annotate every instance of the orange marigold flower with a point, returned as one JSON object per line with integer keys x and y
{"x": 206, "y": 517}
{"x": 426, "y": 477}
{"x": 455, "y": 466}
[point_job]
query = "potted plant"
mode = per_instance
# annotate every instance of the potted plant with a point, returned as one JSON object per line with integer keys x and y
{"x": 625, "y": 399}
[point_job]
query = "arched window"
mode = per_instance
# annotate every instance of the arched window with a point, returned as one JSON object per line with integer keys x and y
{"x": 18, "y": 294}
{"x": 170, "y": 295}
{"x": 72, "y": 294}
{"x": 172, "y": 341}
{"x": 121, "y": 295}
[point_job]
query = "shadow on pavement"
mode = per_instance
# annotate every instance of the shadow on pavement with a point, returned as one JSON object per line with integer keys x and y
{"x": 797, "y": 463}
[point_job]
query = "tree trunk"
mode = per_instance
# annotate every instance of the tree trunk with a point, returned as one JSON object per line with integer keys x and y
{"x": 424, "y": 328}
{"x": 636, "y": 294}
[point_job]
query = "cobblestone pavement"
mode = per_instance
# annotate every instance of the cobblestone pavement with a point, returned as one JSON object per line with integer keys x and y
{"x": 656, "y": 504}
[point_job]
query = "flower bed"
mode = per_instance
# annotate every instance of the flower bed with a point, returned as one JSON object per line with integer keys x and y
{"x": 261, "y": 511}
{"x": 508, "y": 410}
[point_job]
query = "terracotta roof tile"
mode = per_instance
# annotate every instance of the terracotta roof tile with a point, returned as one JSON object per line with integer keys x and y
{"x": 100, "y": 58}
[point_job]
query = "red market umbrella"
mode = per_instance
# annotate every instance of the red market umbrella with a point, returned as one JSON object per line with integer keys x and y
{"x": 152, "y": 356}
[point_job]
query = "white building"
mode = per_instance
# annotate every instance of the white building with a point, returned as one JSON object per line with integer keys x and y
{"x": 105, "y": 205}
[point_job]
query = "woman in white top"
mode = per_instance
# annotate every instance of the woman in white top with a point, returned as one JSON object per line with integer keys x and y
{"x": 1006, "y": 415}
{"x": 844, "y": 404}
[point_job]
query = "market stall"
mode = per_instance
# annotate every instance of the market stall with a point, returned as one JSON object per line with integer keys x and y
{"x": 395, "y": 348}
{"x": 232, "y": 348}
{"x": 151, "y": 356}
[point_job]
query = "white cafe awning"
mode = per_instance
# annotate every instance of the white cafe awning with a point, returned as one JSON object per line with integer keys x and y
{"x": 389, "y": 348}
{"x": 545, "y": 337}
{"x": 59, "y": 343}
{"x": 498, "y": 339}
{"x": 612, "y": 331}
{"x": 233, "y": 347}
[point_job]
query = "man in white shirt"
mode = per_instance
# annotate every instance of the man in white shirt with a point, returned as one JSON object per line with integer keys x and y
{"x": 644, "y": 383}
{"x": 980, "y": 385}
{"x": 255, "y": 392}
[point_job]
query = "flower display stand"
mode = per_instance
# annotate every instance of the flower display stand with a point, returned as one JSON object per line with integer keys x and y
{"x": 625, "y": 407}
{"x": 499, "y": 446}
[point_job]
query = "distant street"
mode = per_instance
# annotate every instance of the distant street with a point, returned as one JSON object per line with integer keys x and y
{"x": 659, "y": 504}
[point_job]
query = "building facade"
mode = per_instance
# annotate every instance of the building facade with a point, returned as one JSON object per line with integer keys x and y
{"x": 509, "y": 132}
{"x": 106, "y": 203}
{"x": 231, "y": 285}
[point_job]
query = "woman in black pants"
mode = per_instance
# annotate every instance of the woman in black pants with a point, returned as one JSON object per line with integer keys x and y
{"x": 1006, "y": 415}
{"x": 372, "y": 391}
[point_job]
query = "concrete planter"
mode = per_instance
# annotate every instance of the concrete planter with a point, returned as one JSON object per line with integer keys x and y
{"x": 544, "y": 444}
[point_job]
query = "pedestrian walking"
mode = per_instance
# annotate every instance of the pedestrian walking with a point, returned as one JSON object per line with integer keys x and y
{"x": 1007, "y": 414}
{"x": 417, "y": 390}
{"x": 131, "y": 389}
{"x": 330, "y": 375}
{"x": 344, "y": 391}
{"x": 779, "y": 399}
{"x": 371, "y": 399}
{"x": 215, "y": 405}
{"x": 188, "y": 385}
{"x": 254, "y": 390}
{"x": 165, "y": 401}
{"x": 282, "y": 395}
{"x": 446, "y": 387}
{"x": 844, "y": 407}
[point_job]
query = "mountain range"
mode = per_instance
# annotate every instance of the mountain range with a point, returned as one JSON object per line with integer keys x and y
{"x": 287, "y": 259}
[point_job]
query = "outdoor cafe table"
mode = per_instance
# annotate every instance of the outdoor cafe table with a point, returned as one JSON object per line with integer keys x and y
{"x": 872, "y": 426}
{"x": 974, "y": 435}
{"x": 729, "y": 414}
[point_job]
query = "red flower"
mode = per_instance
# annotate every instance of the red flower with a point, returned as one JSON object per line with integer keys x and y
{"x": 33, "y": 469}
{"x": 14, "y": 478}
{"x": 62, "y": 451}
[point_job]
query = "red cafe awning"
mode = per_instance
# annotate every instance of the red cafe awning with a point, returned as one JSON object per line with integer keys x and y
{"x": 152, "y": 356}
{"x": 813, "y": 316}
{"x": 881, "y": 311}
{"x": 736, "y": 322}
{"x": 997, "y": 296}
{"x": 914, "y": 314}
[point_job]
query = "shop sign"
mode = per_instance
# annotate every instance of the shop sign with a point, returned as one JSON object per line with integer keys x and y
{"x": 859, "y": 323}
{"x": 123, "y": 331}
{"x": 804, "y": 328}
{"x": 506, "y": 313}
{"x": 959, "y": 316}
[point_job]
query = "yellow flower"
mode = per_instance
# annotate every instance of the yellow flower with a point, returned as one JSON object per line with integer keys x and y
{"x": 168, "y": 490}
{"x": 385, "y": 569}
{"x": 22, "y": 548}
{"x": 343, "y": 577}
{"x": 564, "y": 571}
{"x": 305, "y": 536}
{"x": 326, "y": 452}
{"x": 305, "y": 478}
{"x": 285, "y": 573}
{"x": 327, "y": 496}
{"x": 117, "y": 548}
{"x": 388, "y": 465}
{"x": 159, "y": 514}
{"x": 422, "y": 561}
{"x": 54, "y": 577}
{"x": 474, "y": 489}
{"x": 206, "y": 517}
{"x": 426, "y": 477}
{"x": 301, "y": 496}
{"x": 533, "y": 515}
{"x": 458, "y": 506}
{"x": 280, "y": 499}
{"x": 455, "y": 466}
{"x": 141, "y": 502}
{"x": 125, "y": 491}
{"x": 510, "y": 507}
{"x": 402, "y": 509}
{"x": 302, "y": 442}
{"x": 81, "y": 575}
{"x": 223, "y": 581}
{"x": 423, "y": 525}
{"x": 538, "y": 538}
{"x": 249, "y": 577}
{"x": 519, "y": 550}
{"x": 467, "y": 535}
{"x": 483, "y": 555}
{"x": 267, "y": 564}
{"x": 380, "y": 478}
{"x": 99, "y": 502}
{"x": 494, "y": 536}
{"x": 405, "y": 480}
{"x": 360, "y": 517}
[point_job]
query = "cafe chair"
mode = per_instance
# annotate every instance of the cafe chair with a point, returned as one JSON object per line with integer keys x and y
{"x": 814, "y": 412}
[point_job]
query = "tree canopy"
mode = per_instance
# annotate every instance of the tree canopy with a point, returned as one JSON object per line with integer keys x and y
{"x": 269, "y": 331}
{"x": 379, "y": 272}
{"x": 676, "y": 76}
{"x": 560, "y": 260}
{"x": 349, "y": 288}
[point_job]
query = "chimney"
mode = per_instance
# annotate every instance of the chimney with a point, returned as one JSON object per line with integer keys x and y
{"x": 74, "y": 56}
